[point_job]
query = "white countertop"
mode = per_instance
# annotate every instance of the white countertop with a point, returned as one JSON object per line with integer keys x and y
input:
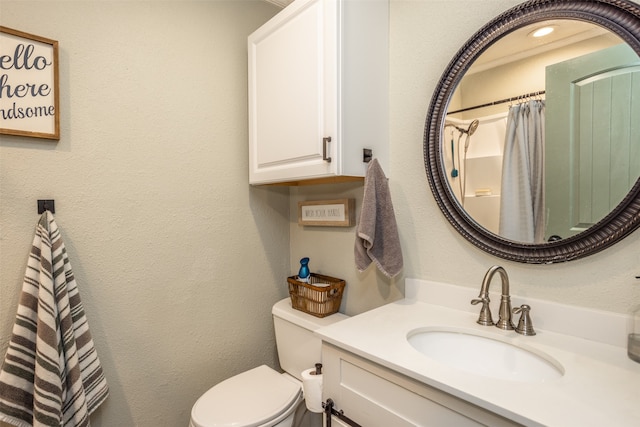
{"x": 600, "y": 385}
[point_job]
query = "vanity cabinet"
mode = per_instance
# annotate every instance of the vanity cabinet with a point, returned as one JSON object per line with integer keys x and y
{"x": 318, "y": 91}
{"x": 373, "y": 395}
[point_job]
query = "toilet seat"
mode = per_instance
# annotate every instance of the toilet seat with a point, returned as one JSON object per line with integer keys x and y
{"x": 255, "y": 398}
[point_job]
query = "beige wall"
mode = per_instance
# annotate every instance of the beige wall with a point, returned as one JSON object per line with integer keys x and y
{"x": 178, "y": 260}
{"x": 432, "y": 247}
{"x": 425, "y": 35}
{"x": 331, "y": 251}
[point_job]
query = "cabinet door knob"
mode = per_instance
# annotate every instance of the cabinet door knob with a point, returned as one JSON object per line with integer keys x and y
{"x": 325, "y": 143}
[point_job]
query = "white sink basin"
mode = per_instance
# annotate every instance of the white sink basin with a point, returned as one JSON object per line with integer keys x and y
{"x": 480, "y": 355}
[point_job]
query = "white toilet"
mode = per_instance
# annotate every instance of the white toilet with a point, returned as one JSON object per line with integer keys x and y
{"x": 262, "y": 397}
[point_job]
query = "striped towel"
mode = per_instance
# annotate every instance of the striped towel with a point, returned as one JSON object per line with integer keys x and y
{"x": 51, "y": 374}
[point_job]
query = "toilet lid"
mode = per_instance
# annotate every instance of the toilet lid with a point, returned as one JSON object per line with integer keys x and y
{"x": 248, "y": 399}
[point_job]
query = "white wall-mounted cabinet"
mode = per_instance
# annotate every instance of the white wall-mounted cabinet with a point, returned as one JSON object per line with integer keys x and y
{"x": 318, "y": 90}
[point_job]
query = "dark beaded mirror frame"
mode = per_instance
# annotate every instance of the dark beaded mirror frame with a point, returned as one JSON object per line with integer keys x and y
{"x": 622, "y": 18}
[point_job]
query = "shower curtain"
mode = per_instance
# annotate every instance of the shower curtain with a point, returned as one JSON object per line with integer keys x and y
{"x": 522, "y": 199}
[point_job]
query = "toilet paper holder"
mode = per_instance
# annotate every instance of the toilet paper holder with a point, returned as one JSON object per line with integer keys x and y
{"x": 329, "y": 410}
{"x": 312, "y": 388}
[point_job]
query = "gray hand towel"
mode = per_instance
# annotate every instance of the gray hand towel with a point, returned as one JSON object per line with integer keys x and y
{"x": 377, "y": 232}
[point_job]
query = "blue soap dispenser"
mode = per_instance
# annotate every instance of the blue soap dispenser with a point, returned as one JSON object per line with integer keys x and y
{"x": 304, "y": 275}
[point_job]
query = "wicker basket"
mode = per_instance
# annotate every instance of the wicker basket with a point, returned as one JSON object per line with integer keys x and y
{"x": 319, "y": 298}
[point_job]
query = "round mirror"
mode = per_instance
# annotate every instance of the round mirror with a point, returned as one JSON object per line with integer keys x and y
{"x": 532, "y": 143}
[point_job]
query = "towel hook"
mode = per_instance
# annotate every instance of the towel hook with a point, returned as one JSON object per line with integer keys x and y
{"x": 367, "y": 155}
{"x": 46, "y": 205}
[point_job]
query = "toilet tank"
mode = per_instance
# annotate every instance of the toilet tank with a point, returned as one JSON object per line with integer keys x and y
{"x": 298, "y": 348}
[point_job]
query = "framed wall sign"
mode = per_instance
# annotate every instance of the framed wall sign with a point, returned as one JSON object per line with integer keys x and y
{"x": 29, "y": 98}
{"x": 332, "y": 213}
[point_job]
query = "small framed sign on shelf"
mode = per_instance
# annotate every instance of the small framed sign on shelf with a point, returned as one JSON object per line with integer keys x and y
{"x": 327, "y": 213}
{"x": 29, "y": 98}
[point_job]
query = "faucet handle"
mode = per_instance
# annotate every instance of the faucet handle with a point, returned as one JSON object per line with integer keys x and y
{"x": 485, "y": 318}
{"x": 525, "y": 326}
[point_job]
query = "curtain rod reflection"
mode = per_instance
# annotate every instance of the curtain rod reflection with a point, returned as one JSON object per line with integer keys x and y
{"x": 501, "y": 101}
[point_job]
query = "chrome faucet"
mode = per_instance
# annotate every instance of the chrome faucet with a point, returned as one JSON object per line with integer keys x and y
{"x": 504, "y": 316}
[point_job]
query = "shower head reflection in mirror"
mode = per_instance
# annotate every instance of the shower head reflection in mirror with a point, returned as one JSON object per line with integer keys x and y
{"x": 468, "y": 131}
{"x": 473, "y": 126}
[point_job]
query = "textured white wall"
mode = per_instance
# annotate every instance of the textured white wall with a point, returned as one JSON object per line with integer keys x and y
{"x": 425, "y": 35}
{"x": 178, "y": 260}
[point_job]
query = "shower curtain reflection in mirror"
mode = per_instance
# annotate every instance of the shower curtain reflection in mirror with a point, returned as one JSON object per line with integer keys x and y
{"x": 522, "y": 210}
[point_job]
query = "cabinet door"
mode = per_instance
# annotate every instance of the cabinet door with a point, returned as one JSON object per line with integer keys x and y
{"x": 373, "y": 395}
{"x": 293, "y": 93}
